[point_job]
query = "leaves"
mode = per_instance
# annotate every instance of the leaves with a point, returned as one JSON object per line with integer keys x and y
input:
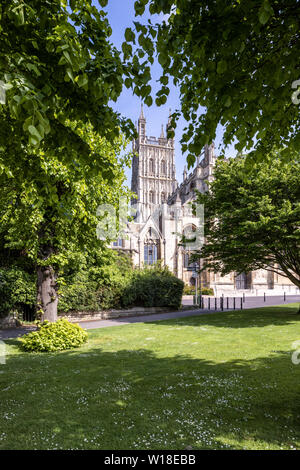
{"x": 129, "y": 35}
{"x": 265, "y": 12}
{"x": 35, "y": 137}
{"x": 59, "y": 137}
{"x": 234, "y": 64}
{"x": 46, "y": 45}
{"x": 221, "y": 67}
{"x": 57, "y": 201}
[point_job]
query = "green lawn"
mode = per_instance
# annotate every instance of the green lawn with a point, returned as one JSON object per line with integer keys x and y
{"x": 217, "y": 381}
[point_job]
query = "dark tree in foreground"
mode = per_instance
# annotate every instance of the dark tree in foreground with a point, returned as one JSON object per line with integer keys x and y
{"x": 252, "y": 221}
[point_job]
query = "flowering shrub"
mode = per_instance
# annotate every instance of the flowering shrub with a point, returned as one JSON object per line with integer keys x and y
{"x": 54, "y": 337}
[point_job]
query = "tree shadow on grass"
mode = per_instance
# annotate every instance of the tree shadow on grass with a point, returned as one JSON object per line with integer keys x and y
{"x": 136, "y": 399}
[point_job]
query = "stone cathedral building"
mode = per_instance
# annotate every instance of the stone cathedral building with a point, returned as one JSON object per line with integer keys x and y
{"x": 163, "y": 214}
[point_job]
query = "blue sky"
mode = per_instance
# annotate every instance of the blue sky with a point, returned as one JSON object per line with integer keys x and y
{"x": 121, "y": 15}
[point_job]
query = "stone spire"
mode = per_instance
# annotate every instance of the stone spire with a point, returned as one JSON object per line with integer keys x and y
{"x": 142, "y": 117}
{"x": 209, "y": 153}
{"x": 162, "y": 134}
{"x": 142, "y": 123}
{"x": 184, "y": 173}
{"x": 169, "y": 126}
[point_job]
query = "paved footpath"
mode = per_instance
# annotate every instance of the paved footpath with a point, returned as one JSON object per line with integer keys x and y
{"x": 250, "y": 302}
{"x": 15, "y": 332}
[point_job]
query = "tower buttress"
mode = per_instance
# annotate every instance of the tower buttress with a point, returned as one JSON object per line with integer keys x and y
{"x": 209, "y": 153}
{"x": 153, "y": 170}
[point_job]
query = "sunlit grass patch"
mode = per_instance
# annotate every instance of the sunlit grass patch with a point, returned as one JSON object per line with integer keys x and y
{"x": 211, "y": 382}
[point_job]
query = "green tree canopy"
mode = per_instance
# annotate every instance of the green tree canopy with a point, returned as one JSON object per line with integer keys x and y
{"x": 59, "y": 136}
{"x": 57, "y": 65}
{"x": 48, "y": 208}
{"x": 236, "y": 64}
{"x": 253, "y": 221}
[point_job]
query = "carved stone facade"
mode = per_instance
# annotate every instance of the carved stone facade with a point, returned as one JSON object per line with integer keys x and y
{"x": 153, "y": 169}
{"x": 163, "y": 214}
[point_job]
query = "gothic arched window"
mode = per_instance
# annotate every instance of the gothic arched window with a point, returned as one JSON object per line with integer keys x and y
{"x": 152, "y": 197}
{"x": 151, "y": 166}
{"x": 187, "y": 263}
{"x": 163, "y": 197}
{"x": 151, "y": 247}
{"x": 118, "y": 243}
{"x": 189, "y": 235}
{"x": 186, "y": 259}
{"x": 163, "y": 167}
{"x": 242, "y": 280}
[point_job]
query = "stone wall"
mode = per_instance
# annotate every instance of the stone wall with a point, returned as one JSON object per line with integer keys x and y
{"x": 106, "y": 315}
{"x": 8, "y": 322}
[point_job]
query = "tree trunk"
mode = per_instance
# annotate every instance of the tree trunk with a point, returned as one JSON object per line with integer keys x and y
{"x": 47, "y": 298}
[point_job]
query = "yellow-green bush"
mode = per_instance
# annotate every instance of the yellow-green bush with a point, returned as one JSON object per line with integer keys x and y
{"x": 54, "y": 337}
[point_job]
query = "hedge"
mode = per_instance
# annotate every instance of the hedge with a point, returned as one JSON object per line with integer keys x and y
{"x": 17, "y": 288}
{"x": 153, "y": 288}
{"x": 94, "y": 288}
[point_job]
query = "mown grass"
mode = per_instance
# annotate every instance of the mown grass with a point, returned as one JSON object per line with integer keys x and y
{"x": 221, "y": 381}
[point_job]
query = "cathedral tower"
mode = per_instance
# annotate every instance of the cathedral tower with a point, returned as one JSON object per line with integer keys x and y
{"x": 153, "y": 170}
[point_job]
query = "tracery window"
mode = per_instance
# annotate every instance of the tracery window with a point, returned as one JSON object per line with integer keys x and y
{"x": 152, "y": 197}
{"x": 151, "y": 247}
{"x": 242, "y": 280}
{"x": 151, "y": 166}
{"x": 189, "y": 235}
{"x": 118, "y": 243}
{"x": 186, "y": 259}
